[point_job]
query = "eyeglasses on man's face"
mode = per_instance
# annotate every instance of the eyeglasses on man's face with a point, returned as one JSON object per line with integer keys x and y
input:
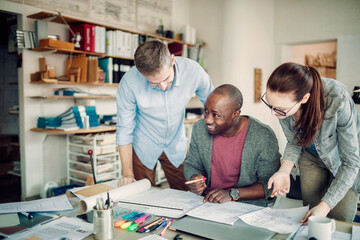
{"x": 277, "y": 110}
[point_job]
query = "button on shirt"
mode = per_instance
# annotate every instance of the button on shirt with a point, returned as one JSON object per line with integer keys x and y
{"x": 151, "y": 119}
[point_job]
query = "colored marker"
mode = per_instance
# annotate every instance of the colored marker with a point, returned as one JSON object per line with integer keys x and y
{"x": 161, "y": 227}
{"x": 133, "y": 227}
{"x": 156, "y": 225}
{"x": 167, "y": 226}
{"x": 150, "y": 225}
{"x": 142, "y": 219}
{"x": 196, "y": 180}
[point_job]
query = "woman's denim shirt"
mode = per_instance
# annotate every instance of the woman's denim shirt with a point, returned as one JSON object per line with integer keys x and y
{"x": 337, "y": 142}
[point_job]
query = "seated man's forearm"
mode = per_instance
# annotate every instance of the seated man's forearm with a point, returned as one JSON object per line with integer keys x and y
{"x": 252, "y": 192}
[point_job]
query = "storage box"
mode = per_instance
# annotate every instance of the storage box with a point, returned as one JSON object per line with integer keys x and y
{"x": 56, "y": 44}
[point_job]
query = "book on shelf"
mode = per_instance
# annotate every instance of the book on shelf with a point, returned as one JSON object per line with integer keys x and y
{"x": 86, "y": 32}
{"x": 134, "y": 43}
{"x": 25, "y": 39}
{"x": 93, "y": 75}
{"x": 116, "y": 70}
{"x": 100, "y": 39}
{"x": 120, "y": 67}
{"x": 106, "y": 64}
{"x": 109, "y": 42}
{"x": 71, "y": 92}
{"x": 71, "y": 119}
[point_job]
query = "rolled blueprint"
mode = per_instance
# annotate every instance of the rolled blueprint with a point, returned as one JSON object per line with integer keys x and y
{"x": 122, "y": 192}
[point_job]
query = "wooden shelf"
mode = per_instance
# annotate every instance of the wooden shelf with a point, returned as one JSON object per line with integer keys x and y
{"x": 74, "y": 97}
{"x": 102, "y": 128}
{"x": 74, "y": 83}
{"x": 70, "y": 20}
{"x": 67, "y": 51}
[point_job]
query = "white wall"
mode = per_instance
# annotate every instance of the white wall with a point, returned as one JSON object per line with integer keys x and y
{"x": 348, "y": 61}
{"x": 240, "y": 37}
{"x": 309, "y": 21}
{"x": 315, "y": 20}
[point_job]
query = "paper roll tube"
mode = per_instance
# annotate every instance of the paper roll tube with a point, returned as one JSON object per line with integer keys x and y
{"x": 122, "y": 192}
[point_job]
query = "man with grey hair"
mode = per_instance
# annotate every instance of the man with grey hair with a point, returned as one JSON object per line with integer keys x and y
{"x": 237, "y": 154}
{"x": 151, "y": 101}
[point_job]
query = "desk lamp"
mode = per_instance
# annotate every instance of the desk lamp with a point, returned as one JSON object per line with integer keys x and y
{"x": 76, "y": 36}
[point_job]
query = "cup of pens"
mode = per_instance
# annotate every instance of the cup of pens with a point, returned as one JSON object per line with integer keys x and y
{"x": 103, "y": 218}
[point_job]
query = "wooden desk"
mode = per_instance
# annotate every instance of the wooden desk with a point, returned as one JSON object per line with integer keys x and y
{"x": 170, "y": 234}
{"x": 340, "y": 226}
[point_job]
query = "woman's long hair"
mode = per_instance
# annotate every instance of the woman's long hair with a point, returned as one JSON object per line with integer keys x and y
{"x": 298, "y": 80}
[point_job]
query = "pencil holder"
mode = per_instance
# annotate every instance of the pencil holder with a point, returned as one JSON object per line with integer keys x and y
{"x": 103, "y": 224}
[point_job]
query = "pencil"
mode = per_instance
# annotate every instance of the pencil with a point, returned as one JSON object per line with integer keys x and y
{"x": 196, "y": 180}
{"x": 166, "y": 227}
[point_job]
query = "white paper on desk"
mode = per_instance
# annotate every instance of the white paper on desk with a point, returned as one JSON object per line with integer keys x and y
{"x": 10, "y": 219}
{"x": 277, "y": 220}
{"x": 60, "y": 228}
{"x": 153, "y": 237}
{"x": 227, "y": 212}
{"x": 59, "y": 203}
{"x": 122, "y": 192}
{"x": 355, "y": 232}
{"x": 168, "y": 198}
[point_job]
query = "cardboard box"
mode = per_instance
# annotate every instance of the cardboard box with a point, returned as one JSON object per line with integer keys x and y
{"x": 56, "y": 44}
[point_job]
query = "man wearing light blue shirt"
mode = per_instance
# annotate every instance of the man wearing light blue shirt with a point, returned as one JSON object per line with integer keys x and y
{"x": 151, "y": 101}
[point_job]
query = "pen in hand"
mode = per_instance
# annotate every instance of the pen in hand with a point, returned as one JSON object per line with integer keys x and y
{"x": 196, "y": 180}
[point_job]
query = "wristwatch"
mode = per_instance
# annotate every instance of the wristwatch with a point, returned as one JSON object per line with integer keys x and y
{"x": 234, "y": 194}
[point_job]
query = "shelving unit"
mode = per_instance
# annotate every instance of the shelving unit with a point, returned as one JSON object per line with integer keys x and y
{"x": 99, "y": 129}
{"x": 79, "y": 168}
{"x": 67, "y": 51}
{"x": 74, "y": 97}
{"x": 70, "y": 20}
{"x": 55, "y": 81}
{"x": 106, "y": 158}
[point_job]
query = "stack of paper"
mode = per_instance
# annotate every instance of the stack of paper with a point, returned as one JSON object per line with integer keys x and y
{"x": 71, "y": 119}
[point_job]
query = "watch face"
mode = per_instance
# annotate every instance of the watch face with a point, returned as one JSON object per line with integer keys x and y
{"x": 234, "y": 193}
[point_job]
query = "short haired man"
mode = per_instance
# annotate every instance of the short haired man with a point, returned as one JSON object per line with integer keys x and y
{"x": 151, "y": 101}
{"x": 237, "y": 154}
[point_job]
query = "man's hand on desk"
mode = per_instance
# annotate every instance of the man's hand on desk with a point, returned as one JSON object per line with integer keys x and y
{"x": 218, "y": 196}
{"x": 197, "y": 187}
{"x": 126, "y": 180}
{"x": 321, "y": 210}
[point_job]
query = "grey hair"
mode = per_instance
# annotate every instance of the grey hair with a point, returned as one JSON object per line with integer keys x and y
{"x": 151, "y": 56}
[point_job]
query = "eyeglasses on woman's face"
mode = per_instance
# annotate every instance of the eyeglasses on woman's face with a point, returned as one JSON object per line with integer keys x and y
{"x": 275, "y": 109}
